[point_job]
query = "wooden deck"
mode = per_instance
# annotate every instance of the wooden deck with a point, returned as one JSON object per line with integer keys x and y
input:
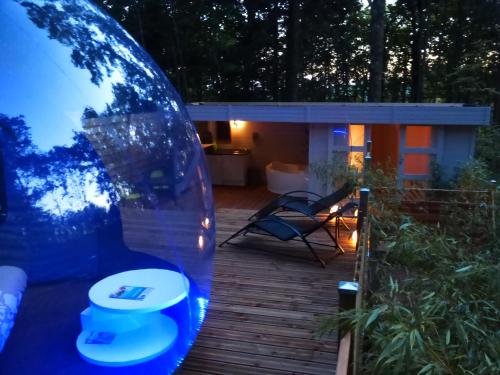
{"x": 242, "y": 197}
{"x": 266, "y": 301}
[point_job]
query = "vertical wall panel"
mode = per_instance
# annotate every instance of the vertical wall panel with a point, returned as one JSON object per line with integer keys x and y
{"x": 318, "y": 152}
{"x": 458, "y": 148}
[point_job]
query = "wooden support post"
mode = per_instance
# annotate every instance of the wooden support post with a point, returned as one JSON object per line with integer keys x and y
{"x": 348, "y": 291}
{"x": 360, "y": 296}
{"x": 343, "y": 358}
{"x": 493, "y": 208}
{"x": 362, "y": 210}
{"x": 368, "y": 160}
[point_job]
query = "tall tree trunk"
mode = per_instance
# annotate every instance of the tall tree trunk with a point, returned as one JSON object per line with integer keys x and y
{"x": 177, "y": 52}
{"x": 404, "y": 82}
{"x": 275, "y": 82}
{"x": 138, "y": 9}
{"x": 376, "y": 50}
{"x": 455, "y": 53}
{"x": 418, "y": 21}
{"x": 328, "y": 81}
{"x": 249, "y": 53}
{"x": 292, "y": 51}
{"x": 180, "y": 58}
{"x": 496, "y": 96}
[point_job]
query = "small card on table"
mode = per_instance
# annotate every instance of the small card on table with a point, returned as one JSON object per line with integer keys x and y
{"x": 101, "y": 338}
{"x": 131, "y": 292}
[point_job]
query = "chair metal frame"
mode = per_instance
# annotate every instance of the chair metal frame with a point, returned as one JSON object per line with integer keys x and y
{"x": 302, "y": 233}
{"x": 306, "y": 205}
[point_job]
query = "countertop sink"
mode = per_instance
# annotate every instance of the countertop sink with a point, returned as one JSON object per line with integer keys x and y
{"x": 211, "y": 150}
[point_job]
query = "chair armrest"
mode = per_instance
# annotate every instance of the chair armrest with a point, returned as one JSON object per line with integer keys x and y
{"x": 301, "y": 191}
{"x": 298, "y": 199}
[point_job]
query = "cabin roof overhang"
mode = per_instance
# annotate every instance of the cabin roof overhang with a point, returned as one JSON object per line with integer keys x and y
{"x": 343, "y": 113}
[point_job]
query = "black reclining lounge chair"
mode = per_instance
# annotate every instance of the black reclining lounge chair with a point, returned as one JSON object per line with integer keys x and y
{"x": 306, "y": 206}
{"x": 287, "y": 230}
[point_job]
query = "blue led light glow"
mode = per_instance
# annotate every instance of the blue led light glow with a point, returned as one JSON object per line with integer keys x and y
{"x": 101, "y": 171}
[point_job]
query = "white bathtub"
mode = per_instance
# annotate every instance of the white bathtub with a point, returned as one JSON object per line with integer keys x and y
{"x": 284, "y": 177}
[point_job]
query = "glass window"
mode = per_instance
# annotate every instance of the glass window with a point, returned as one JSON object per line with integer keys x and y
{"x": 356, "y": 159}
{"x": 340, "y": 135}
{"x": 419, "y": 136}
{"x": 416, "y": 164}
{"x": 356, "y": 135}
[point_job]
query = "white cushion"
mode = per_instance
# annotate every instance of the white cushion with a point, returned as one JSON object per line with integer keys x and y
{"x": 12, "y": 286}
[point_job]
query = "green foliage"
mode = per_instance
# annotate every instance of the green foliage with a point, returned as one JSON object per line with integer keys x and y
{"x": 470, "y": 214}
{"x": 439, "y": 315}
{"x": 385, "y": 202}
{"x": 443, "y": 312}
{"x": 437, "y": 177}
{"x": 488, "y": 139}
{"x": 473, "y": 175}
{"x": 335, "y": 172}
{"x": 436, "y": 309}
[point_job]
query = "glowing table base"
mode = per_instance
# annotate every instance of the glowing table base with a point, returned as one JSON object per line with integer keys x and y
{"x": 127, "y": 331}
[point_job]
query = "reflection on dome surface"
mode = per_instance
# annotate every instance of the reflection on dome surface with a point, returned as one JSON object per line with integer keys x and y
{"x": 101, "y": 172}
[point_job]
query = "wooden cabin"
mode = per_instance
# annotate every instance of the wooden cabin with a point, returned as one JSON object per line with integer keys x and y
{"x": 407, "y": 137}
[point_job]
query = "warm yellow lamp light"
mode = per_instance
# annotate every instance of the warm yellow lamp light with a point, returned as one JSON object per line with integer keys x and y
{"x": 201, "y": 242}
{"x": 354, "y": 237}
{"x": 237, "y": 124}
{"x": 206, "y": 223}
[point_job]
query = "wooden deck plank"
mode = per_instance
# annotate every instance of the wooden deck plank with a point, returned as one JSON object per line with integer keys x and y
{"x": 247, "y": 328}
{"x": 264, "y": 337}
{"x": 267, "y": 300}
{"x": 261, "y": 362}
{"x": 247, "y": 197}
{"x": 272, "y": 324}
{"x": 238, "y": 345}
{"x": 209, "y": 366}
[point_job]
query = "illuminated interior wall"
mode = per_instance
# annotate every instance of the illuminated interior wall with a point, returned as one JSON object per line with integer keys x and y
{"x": 268, "y": 141}
{"x": 356, "y": 135}
{"x": 356, "y": 139}
{"x": 348, "y": 143}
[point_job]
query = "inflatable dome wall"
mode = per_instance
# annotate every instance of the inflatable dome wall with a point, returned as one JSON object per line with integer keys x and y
{"x": 105, "y": 203}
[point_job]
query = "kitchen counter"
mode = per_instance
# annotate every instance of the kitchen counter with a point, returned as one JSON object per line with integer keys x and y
{"x": 228, "y": 166}
{"x": 211, "y": 150}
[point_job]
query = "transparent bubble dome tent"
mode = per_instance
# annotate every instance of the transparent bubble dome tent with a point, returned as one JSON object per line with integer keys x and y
{"x": 106, "y": 212}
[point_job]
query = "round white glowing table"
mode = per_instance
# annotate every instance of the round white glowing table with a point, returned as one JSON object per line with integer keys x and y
{"x": 124, "y": 324}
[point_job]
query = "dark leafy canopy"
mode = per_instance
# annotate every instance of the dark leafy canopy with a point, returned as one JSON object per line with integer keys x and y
{"x": 279, "y": 50}
{"x": 239, "y": 49}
